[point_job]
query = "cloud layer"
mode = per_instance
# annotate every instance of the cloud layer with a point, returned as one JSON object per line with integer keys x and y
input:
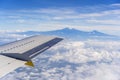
{"x": 79, "y": 60}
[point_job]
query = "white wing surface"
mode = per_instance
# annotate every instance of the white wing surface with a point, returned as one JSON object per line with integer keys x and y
{"x": 9, "y": 64}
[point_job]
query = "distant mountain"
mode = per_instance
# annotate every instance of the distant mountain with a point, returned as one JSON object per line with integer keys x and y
{"x": 71, "y": 34}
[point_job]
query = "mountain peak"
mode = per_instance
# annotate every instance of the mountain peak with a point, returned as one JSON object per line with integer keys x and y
{"x": 70, "y": 33}
{"x": 67, "y": 28}
{"x": 94, "y": 32}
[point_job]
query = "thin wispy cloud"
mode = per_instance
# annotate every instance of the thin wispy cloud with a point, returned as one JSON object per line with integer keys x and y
{"x": 105, "y": 22}
{"x": 101, "y": 15}
{"x": 116, "y": 5}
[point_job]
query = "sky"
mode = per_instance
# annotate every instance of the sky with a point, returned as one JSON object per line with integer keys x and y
{"x": 45, "y": 15}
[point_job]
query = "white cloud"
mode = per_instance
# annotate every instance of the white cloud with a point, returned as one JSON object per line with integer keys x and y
{"x": 116, "y": 5}
{"x": 105, "y": 18}
{"x": 66, "y": 13}
{"x": 110, "y": 22}
{"x": 81, "y": 60}
{"x": 91, "y": 15}
{"x": 7, "y": 36}
{"x": 21, "y": 21}
{"x": 56, "y": 11}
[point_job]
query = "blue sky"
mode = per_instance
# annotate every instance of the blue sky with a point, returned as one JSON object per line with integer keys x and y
{"x": 44, "y": 15}
{"x": 33, "y": 4}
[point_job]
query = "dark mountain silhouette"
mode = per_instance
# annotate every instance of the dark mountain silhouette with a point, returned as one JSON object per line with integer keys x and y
{"x": 71, "y": 34}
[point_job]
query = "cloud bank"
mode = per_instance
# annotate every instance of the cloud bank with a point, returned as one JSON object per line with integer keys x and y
{"x": 78, "y": 60}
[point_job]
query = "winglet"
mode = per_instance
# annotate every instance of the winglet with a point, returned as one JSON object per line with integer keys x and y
{"x": 29, "y": 63}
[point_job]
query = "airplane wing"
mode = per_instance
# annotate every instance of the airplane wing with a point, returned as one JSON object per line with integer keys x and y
{"x": 20, "y": 53}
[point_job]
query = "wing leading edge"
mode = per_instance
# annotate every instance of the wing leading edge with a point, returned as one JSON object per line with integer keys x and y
{"x": 15, "y": 60}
